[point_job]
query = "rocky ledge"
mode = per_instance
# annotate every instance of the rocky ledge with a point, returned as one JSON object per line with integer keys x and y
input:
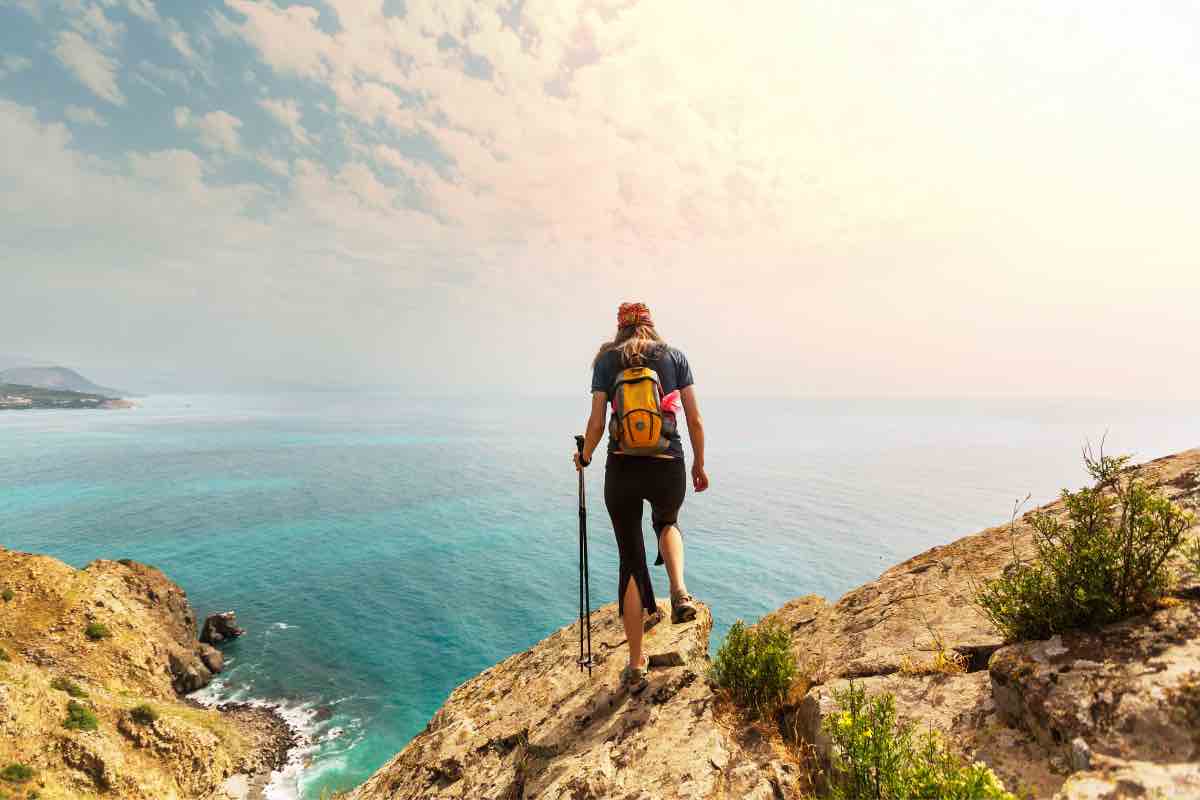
{"x": 535, "y": 726}
{"x": 118, "y": 640}
{"x": 1107, "y": 714}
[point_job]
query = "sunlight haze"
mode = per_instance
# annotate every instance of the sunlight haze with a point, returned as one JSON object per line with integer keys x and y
{"x": 891, "y": 198}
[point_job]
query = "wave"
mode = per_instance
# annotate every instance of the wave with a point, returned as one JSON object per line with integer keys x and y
{"x": 323, "y": 738}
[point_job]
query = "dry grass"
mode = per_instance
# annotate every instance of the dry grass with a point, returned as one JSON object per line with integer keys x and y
{"x": 209, "y": 719}
{"x": 944, "y": 661}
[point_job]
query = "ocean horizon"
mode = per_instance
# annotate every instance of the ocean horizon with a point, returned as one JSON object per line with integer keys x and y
{"x": 380, "y": 549}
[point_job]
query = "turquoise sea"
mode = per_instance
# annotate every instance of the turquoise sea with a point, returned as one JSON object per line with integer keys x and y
{"x": 380, "y": 550}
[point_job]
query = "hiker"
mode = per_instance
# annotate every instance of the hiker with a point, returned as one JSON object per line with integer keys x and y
{"x": 645, "y": 380}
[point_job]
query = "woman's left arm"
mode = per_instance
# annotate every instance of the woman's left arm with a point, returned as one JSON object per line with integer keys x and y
{"x": 595, "y": 428}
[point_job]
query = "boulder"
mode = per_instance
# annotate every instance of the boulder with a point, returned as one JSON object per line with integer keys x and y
{"x": 536, "y": 726}
{"x": 220, "y": 628}
{"x": 1116, "y": 779}
{"x": 1129, "y": 691}
{"x": 188, "y": 672}
{"x": 211, "y": 657}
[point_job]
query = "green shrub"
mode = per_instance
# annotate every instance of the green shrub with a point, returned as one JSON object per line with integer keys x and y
{"x": 143, "y": 714}
{"x": 69, "y": 686}
{"x": 875, "y": 757}
{"x": 1108, "y": 560}
{"x": 1191, "y": 555}
{"x": 17, "y": 773}
{"x": 7, "y": 595}
{"x": 97, "y": 631}
{"x": 4, "y": 656}
{"x": 80, "y": 717}
{"x": 755, "y": 665}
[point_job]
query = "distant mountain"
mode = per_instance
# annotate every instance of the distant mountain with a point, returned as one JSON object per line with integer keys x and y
{"x": 10, "y": 360}
{"x": 59, "y": 378}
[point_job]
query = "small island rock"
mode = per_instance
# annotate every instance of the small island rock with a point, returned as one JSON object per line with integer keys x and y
{"x": 220, "y": 628}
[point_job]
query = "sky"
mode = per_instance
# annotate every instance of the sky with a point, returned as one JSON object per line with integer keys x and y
{"x": 815, "y": 198}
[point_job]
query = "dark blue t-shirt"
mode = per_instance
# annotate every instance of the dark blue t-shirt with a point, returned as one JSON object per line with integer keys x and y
{"x": 673, "y": 370}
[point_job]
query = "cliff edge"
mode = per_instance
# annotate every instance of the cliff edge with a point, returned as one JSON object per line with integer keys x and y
{"x": 93, "y": 666}
{"x": 1112, "y": 713}
{"x": 535, "y": 726}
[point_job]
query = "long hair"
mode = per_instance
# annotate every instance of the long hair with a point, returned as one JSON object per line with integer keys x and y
{"x": 637, "y": 344}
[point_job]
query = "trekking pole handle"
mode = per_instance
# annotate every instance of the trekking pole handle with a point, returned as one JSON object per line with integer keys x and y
{"x": 579, "y": 444}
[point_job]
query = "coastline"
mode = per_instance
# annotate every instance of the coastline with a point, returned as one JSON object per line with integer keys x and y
{"x": 113, "y": 645}
{"x": 278, "y": 745}
{"x": 18, "y": 397}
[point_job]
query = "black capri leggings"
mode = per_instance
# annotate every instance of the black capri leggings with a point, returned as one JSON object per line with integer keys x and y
{"x": 628, "y": 480}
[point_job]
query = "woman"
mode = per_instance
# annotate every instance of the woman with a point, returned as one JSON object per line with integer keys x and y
{"x": 659, "y": 478}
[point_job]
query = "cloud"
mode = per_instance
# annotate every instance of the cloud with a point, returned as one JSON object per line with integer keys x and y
{"x": 94, "y": 69}
{"x": 143, "y": 9}
{"x": 789, "y": 165}
{"x": 287, "y": 114}
{"x": 531, "y": 139}
{"x": 12, "y": 64}
{"x": 217, "y": 130}
{"x": 91, "y": 21}
{"x": 81, "y": 115}
{"x": 275, "y": 165}
{"x": 179, "y": 169}
{"x": 163, "y": 228}
{"x": 157, "y": 77}
{"x": 180, "y": 41}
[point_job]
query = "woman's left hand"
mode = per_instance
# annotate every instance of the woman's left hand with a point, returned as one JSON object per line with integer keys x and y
{"x": 579, "y": 465}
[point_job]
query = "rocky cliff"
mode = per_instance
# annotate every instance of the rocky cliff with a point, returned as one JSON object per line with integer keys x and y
{"x": 535, "y": 726}
{"x": 1108, "y": 714}
{"x": 93, "y": 663}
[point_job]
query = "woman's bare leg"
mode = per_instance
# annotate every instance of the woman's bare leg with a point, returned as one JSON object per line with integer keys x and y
{"x": 632, "y": 619}
{"x": 670, "y": 544}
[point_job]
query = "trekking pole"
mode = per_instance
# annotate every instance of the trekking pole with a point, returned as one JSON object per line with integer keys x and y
{"x": 585, "y": 593}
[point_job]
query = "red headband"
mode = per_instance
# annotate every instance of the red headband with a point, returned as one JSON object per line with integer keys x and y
{"x": 634, "y": 314}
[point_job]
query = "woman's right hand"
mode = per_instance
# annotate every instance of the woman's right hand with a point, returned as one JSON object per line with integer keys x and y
{"x": 699, "y": 478}
{"x": 579, "y": 465}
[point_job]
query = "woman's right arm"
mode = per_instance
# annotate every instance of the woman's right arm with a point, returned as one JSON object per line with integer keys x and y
{"x": 695, "y": 424}
{"x": 594, "y": 431}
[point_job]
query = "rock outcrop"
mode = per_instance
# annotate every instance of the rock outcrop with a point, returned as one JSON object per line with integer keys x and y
{"x": 535, "y": 726}
{"x": 220, "y": 628}
{"x": 141, "y": 652}
{"x": 1095, "y": 704}
{"x": 1126, "y": 697}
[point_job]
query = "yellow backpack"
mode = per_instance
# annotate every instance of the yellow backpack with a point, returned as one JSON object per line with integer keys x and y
{"x": 638, "y": 425}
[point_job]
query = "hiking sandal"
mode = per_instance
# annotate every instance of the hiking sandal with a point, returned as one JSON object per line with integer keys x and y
{"x": 683, "y": 608}
{"x": 634, "y": 678}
